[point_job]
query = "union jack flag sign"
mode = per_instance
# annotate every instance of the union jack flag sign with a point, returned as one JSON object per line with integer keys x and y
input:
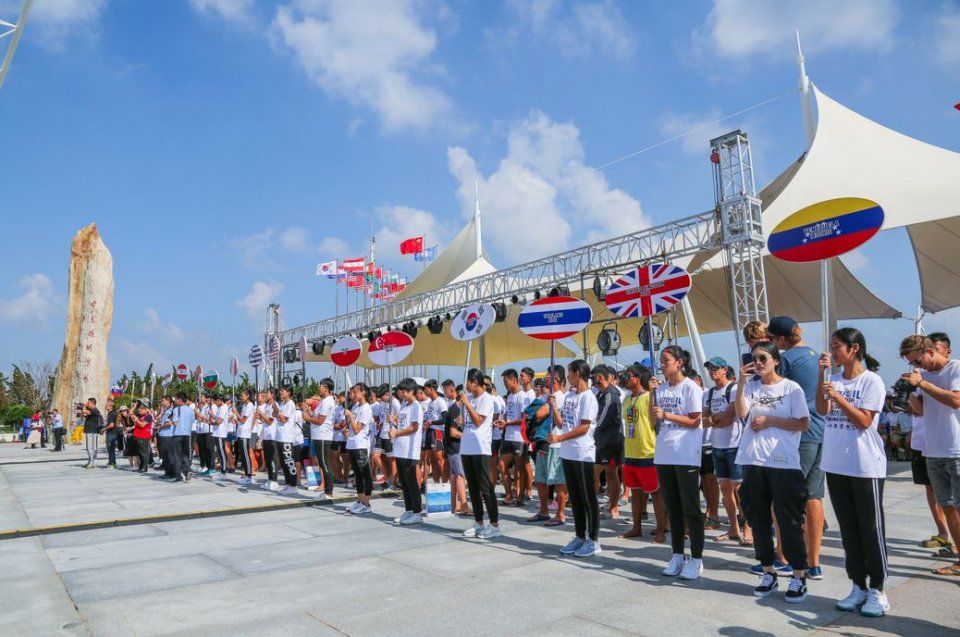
{"x": 647, "y": 290}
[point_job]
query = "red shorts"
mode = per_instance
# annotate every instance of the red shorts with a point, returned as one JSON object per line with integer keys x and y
{"x": 641, "y": 478}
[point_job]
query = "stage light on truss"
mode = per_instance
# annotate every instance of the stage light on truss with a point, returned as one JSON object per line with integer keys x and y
{"x": 537, "y": 295}
{"x": 372, "y": 335}
{"x": 499, "y": 312}
{"x": 410, "y": 328}
{"x": 435, "y": 325}
{"x": 608, "y": 340}
{"x": 448, "y": 316}
{"x": 516, "y": 299}
{"x": 560, "y": 290}
{"x": 600, "y": 287}
{"x": 317, "y": 347}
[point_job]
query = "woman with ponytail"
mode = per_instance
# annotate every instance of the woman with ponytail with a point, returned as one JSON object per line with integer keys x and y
{"x": 856, "y": 465}
{"x": 359, "y": 420}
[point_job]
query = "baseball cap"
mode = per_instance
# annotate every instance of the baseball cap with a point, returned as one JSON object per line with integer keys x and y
{"x": 716, "y": 362}
{"x": 781, "y": 326}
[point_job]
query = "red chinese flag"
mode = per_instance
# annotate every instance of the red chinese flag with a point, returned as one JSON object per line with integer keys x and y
{"x": 957, "y": 106}
{"x": 411, "y": 246}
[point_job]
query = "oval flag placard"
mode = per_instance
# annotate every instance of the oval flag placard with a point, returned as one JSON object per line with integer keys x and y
{"x": 211, "y": 379}
{"x": 182, "y": 371}
{"x": 390, "y": 348}
{"x": 826, "y": 229}
{"x": 554, "y": 317}
{"x": 346, "y": 351}
{"x": 472, "y": 321}
{"x": 647, "y": 290}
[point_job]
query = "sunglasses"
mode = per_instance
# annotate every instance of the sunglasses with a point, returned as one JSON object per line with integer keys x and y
{"x": 761, "y": 359}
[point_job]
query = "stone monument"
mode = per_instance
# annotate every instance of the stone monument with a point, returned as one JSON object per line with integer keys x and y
{"x": 84, "y": 370}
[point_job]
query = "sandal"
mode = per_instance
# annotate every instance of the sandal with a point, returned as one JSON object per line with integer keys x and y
{"x": 950, "y": 571}
{"x": 936, "y": 541}
{"x": 465, "y": 512}
{"x": 540, "y": 517}
{"x": 554, "y": 522}
{"x": 946, "y": 552}
{"x": 711, "y": 524}
{"x": 632, "y": 533}
{"x": 726, "y": 537}
{"x": 745, "y": 542}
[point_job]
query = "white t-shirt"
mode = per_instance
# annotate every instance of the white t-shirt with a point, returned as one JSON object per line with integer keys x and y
{"x": 245, "y": 426}
{"x": 772, "y": 447}
{"x": 941, "y": 423}
{"x": 269, "y": 431}
{"x": 221, "y": 422}
{"x": 203, "y": 424}
{"x": 339, "y": 435}
{"x": 435, "y": 410}
{"x": 675, "y": 444}
{"x": 578, "y": 407}
{"x": 393, "y": 407}
{"x": 557, "y": 427}
{"x": 363, "y": 414}
{"x": 514, "y": 410}
{"x": 476, "y": 439}
{"x": 325, "y": 408}
{"x": 847, "y": 449}
{"x": 499, "y": 407}
{"x": 408, "y": 446}
{"x": 287, "y": 431}
{"x": 918, "y": 436}
{"x": 723, "y": 437}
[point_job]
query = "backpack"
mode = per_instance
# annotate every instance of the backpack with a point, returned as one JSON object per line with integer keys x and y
{"x": 529, "y": 424}
{"x": 726, "y": 393}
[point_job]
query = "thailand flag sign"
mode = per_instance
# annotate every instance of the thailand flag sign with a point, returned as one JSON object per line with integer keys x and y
{"x": 647, "y": 290}
{"x": 554, "y": 317}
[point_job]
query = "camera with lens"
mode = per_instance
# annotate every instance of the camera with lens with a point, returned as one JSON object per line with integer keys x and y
{"x": 901, "y": 396}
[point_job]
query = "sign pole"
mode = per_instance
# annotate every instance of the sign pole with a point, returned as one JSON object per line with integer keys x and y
{"x": 466, "y": 364}
{"x": 825, "y": 277}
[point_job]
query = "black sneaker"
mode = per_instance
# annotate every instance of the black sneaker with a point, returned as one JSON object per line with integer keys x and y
{"x": 796, "y": 590}
{"x": 768, "y": 584}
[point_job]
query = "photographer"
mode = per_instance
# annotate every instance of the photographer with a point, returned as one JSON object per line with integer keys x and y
{"x": 92, "y": 422}
{"x": 940, "y": 408}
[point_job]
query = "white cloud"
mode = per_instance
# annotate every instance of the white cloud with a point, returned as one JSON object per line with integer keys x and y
{"x": 403, "y": 222}
{"x": 237, "y": 11}
{"x": 261, "y": 294}
{"x": 34, "y": 307}
{"x": 543, "y": 193}
{"x": 743, "y": 28}
{"x": 127, "y": 355}
{"x": 370, "y": 52}
{"x": 673, "y": 124}
{"x": 856, "y": 260}
{"x": 267, "y": 248}
{"x": 946, "y": 37}
{"x": 54, "y": 22}
{"x": 153, "y": 324}
{"x": 295, "y": 239}
{"x": 333, "y": 248}
{"x": 575, "y": 29}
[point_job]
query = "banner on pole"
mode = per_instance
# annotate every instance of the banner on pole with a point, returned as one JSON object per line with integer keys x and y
{"x": 554, "y": 317}
{"x": 390, "y": 348}
{"x": 255, "y": 358}
{"x": 826, "y": 230}
{"x": 346, "y": 351}
{"x": 182, "y": 371}
{"x": 472, "y": 321}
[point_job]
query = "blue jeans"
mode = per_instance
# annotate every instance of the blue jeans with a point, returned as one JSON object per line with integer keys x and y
{"x": 112, "y": 445}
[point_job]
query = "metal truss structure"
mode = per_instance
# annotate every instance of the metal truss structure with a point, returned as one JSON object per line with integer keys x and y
{"x": 742, "y": 232}
{"x": 734, "y": 226}
{"x": 10, "y": 34}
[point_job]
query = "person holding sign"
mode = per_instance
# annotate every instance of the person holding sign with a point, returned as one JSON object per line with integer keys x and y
{"x": 578, "y": 453}
{"x": 359, "y": 419}
{"x": 475, "y": 451}
{"x": 676, "y": 409}
{"x": 855, "y": 462}
{"x": 774, "y": 411}
{"x": 405, "y": 433}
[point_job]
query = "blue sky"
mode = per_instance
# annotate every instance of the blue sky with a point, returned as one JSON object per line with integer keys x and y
{"x": 224, "y": 147}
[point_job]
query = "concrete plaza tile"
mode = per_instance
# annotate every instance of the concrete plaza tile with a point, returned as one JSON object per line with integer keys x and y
{"x": 146, "y": 576}
{"x": 100, "y": 536}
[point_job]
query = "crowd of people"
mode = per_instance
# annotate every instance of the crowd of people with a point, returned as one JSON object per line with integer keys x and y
{"x": 764, "y": 441}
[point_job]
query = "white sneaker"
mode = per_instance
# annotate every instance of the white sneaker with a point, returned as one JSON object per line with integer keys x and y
{"x": 403, "y": 517}
{"x": 572, "y": 546}
{"x": 473, "y": 531}
{"x": 354, "y": 508}
{"x": 854, "y": 600}
{"x": 589, "y": 548}
{"x": 692, "y": 569}
{"x": 675, "y": 565}
{"x": 274, "y": 486}
{"x": 488, "y": 532}
{"x": 288, "y": 491}
{"x": 413, "y": 518}
{"x": 876, "y": 604}
{"x": 363, "y": 509}
{"x": 244, "y": 480}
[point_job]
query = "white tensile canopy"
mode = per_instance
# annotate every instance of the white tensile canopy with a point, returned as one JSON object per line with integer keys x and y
{"x": 916, "y": 184}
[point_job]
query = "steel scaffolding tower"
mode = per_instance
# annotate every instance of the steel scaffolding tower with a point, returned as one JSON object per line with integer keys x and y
{"x": 14, "y": 32}
{"x": 742, "y": 233}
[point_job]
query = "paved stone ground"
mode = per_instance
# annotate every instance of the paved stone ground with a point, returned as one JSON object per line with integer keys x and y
{"x": 319, "y": 570}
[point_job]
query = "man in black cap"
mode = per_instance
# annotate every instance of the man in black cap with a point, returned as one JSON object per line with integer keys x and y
{"x": 798, "y": 362}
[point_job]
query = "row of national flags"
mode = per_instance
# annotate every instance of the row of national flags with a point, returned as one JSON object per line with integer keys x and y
{"x": 376, "y": 281}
